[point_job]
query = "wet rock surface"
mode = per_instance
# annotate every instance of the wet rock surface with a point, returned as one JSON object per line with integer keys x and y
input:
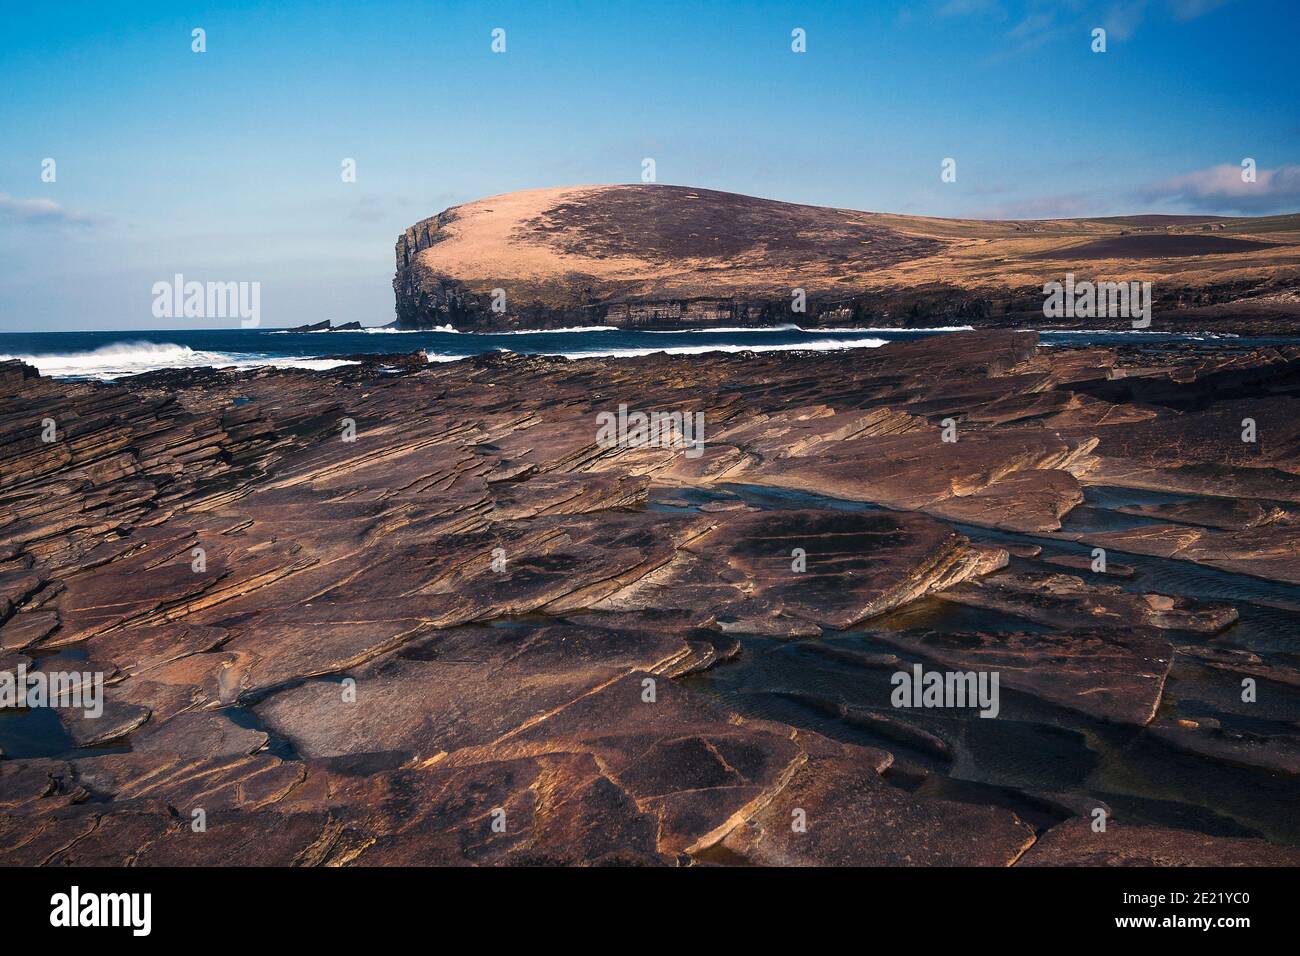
{"x": 424, "y": 615}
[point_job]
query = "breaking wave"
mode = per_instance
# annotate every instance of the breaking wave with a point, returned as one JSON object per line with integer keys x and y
{"x": 132, "y": 358}
{"x": 448, "y": 330}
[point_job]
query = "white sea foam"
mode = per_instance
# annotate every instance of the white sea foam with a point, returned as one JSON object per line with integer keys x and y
{"x": 131, "y": 358}
{"x": 1136, "y": 332}
{"x": 314, "y": 364}
{"x": 822, "y": 346}
{"x": 787, "y": 327}
{"x": 570, "y": 330}
{"x": 933, "y": 328}
{"x": 575, "y": 328}
{"x": 386, "y": 330}
{"x": 452, "y": 331}
{"x": 750, "y": 328}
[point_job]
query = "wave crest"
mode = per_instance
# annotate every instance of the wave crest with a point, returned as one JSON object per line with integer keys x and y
{"x": 132, "y": 358}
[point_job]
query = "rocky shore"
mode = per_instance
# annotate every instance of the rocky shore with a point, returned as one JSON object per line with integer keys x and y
{"x": 409, "y": 613}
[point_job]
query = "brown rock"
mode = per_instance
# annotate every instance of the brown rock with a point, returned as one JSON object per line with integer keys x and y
{"x": 1075, "y": 844}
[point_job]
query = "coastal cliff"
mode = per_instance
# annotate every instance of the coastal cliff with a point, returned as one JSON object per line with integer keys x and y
{"x": 674, "y": 257}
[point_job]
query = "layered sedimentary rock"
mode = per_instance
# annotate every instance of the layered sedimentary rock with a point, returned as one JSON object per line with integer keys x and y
{"x": 422, "y": 614}
{"x": 663, "y": 257}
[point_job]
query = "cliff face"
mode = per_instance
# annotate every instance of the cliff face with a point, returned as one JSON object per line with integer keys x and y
{"x": 663, "y": 257}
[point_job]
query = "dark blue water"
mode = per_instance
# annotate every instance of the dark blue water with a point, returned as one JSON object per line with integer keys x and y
{"x": 112, "y": 354}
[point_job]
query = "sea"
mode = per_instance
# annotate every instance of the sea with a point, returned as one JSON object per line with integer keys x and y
{"x": 108, "y": 355}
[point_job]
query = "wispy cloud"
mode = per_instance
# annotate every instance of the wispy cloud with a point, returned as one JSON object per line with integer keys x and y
{"x": 1191, "y": 9}
{"x": 1122, "y": 19}
{"x": 1033, "y": 29}
{"x": 965, "y": 8}
{"x": 1036, "y": 26}
{"x": 1221, "y": 189}
{"x": 1036, "y": 22}
{"x": 41, "y": 212}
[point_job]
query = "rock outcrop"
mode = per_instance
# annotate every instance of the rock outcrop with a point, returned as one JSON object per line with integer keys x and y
{"x": 325, "y": 326}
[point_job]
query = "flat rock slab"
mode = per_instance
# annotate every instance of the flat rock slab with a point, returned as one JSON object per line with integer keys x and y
{"x": 1064, "y": 601}
{"x": 24, "y": 630}
{"x": 1271, "y": 754}
{"x": 1075, "y": 844}
{"x": 1271, "y": 552}
{"x": 920, "y": 470}
{"x": 833, "y": 814}
{"x": 1027, "y": 501}
{"x": 465, "y": 687}
{"x": 697, "y": 769}
{"x": 1231, "y": 514}
{"x": 230, "y": 781}
{"x": 1243, "y": 663}
{"x": 553, "y": 809}
{"x": 115, "y": 721}
{"x": 136, "y": 650}
{"x": 1116, "y": 676}
{"x": 552, "y": 564}
{"x": 823, "y": 568}
{"x": 34, "y": 786}
{"x": 154, "y": 837}
{"x": 210, "y": 734}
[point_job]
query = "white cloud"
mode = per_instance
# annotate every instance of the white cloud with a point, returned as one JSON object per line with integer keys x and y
{"x": 963, "y": 8}
{"x": 40, "y": 211}
{"x": 1221, "y": 189}
{"x": 1123, "y": 18}
{"x": 1191, "y": 9}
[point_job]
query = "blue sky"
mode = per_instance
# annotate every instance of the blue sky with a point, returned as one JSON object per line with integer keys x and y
{"x": 225, "y": 165}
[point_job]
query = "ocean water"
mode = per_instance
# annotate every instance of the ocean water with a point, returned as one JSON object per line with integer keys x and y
{"x": 108, "y": 355}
